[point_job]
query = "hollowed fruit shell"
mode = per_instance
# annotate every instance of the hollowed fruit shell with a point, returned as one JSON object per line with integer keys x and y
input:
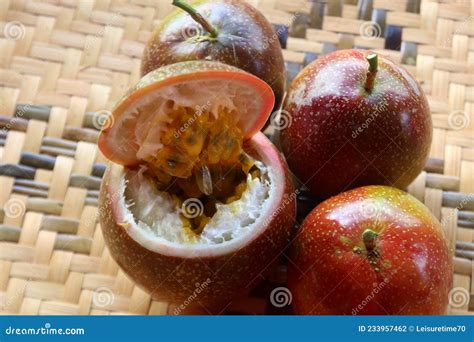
{"x": 229, "y": 269}
{"x": 172, "y": 271}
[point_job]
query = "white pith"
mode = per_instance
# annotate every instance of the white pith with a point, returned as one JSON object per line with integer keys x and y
{"x": 157, "y": 218}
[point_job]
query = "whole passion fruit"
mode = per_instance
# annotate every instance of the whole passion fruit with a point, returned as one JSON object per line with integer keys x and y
{"x": 374, "y": 250}
{"x": 194, "y": 193}
{"x": 355, "y": 118}
{"x": 228, "y": 31}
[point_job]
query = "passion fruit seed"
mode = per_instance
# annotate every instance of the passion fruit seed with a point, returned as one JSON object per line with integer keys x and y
{"x": 204, "y": 161}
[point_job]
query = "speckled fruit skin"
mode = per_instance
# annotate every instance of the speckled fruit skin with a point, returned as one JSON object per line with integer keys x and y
{"x": 414, "y": 261}
{"x": 245, "y": 40}
{"x": 227, "y": 274}
{"x": 341, "y": 137}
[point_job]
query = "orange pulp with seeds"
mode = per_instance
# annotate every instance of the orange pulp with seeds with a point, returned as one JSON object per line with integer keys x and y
{"x": 202, "y": 157}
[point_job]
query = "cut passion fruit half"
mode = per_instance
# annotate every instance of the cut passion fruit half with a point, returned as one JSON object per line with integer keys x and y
{"x": 193, "y": 190}
{"x": 186, "y": 123}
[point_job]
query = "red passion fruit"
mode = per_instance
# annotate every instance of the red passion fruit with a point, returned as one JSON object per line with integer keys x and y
{"x": 194, "y": 193}
{"x": 356, "y": 118}
{"x": 373, "y": 250}
{"x": 229, "y": 31}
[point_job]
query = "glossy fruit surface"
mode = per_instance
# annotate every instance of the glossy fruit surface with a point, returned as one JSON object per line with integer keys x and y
{"x": 342, "y": 135}
{"x": 245, "y": 39}
{"x": 372, "y": 250}
{"x": 173, "y": 272}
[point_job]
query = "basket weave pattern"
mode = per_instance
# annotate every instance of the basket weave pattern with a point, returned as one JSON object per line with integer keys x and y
{"x": 64, "y": 63}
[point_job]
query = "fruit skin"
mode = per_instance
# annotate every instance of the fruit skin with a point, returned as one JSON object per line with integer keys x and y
{"x": 245, "y": 40}
{"x": 171, "y": 273}
{"x": 327, "y": 104}
{"x": 414, "y": 261}
{"x": 121, "y": 148}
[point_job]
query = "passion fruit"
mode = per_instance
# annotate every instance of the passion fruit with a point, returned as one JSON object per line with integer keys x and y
{"x": 229, "y": 31}
{"x": 357, "y": 115}
{"x": 194, "y": 193}
{"x": 373, "y": 250}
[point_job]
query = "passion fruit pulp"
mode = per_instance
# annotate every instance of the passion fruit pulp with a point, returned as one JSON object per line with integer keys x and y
{"x": 202, "y": 157}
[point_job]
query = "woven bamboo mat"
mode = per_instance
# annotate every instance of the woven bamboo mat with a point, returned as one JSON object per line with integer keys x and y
{"x": 64, "y": 63}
